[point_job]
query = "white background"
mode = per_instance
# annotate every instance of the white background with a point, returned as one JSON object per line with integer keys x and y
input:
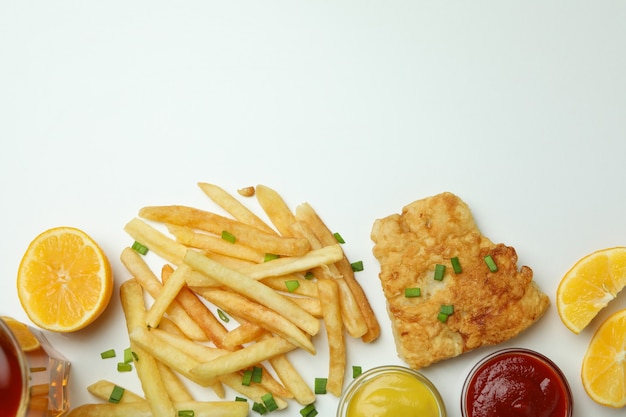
{"x": 358, "y": 107}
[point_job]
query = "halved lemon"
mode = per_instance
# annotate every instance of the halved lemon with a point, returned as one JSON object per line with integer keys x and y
{"x": 64, "y": 281}
{"x": 590, "y": 285}
{"x": 604, "y": 365}
{"x": 26, "y": 339}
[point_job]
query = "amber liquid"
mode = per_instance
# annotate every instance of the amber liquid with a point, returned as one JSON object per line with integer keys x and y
{"x": 10, "y": 379}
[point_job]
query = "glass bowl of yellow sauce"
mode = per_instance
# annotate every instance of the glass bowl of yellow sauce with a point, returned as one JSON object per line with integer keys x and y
{"x": 391, "y": 391}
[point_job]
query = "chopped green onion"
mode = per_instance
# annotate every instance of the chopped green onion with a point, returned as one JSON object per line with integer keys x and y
{"x": 308, "y": 411}
{"x": 412, "y": 292}
{"x": 128, "y": 355}
{"x": 491, "y": 263}
{"x": 309, "y": 275}
{"x": 440, "y": 270}
{"x": 223, "y": 316}
{"x": 241, "y": 399}
{"x": 356, "y": 371}
{"x": 320, "y": 385}
{"x": 259, "y": 408}
{"x": 116, "y": 394}
{"x": 247, "y": 377}
{"x": 447, "y": 309}
{"x": 442, "y": 317}
{"x": 135, "y": 356}
{"x": 138, "y": 247}
{"x": 124, "y": 367}
{"x": 292, "y": 285}
{"x": 227, "y": 236}
{"x": 108, "y": 354}
{"x": 186, "y": 413}
{"x": 269, "y": 401}
{"x": 456, "y": 265}
{"x": 257, "y": 374}
{"x": 269, "y": 257}
{"x": 339, "y": 238}
{"x": 357, "y": 266}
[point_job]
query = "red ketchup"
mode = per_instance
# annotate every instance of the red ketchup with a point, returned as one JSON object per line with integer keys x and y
{"x": 516, "y": 383}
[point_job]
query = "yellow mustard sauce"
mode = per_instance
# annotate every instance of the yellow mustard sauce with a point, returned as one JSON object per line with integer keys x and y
{"x": 393, "y": 395}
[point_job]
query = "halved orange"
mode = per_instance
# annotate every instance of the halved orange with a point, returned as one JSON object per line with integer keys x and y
{"x": 64, "y": 281}
{"x": 604, "y": 365}
{"x": 26, "y": 339}
{"x": 590, "y": 285}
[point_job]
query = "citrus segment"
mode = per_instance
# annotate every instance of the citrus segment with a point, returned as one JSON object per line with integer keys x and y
{"x": 26, "y": 339}
{"x": 590, "y": 285}
{"x": 64, "y": 281}
{"x": 604, "y": 365}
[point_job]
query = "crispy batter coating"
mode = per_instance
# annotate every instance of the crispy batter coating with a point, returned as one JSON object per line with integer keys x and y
{"x": 489, "y": 307}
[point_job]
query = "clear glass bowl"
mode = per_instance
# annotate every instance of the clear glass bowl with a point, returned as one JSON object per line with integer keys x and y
{"x": 367, "y": 377}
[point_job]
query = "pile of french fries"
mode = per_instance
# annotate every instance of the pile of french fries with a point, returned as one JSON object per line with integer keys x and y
{"x": 276, "y": 285}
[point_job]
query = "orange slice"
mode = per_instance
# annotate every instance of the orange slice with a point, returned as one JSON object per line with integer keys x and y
{"x": 590, "y": 285}
{"x": 64, "y": 281}
{"x": 604, "y": 365}
{"x": 27, "y": 340}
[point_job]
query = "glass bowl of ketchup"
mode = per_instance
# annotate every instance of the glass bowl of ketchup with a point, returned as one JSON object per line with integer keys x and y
{"x": 516, "y": 382}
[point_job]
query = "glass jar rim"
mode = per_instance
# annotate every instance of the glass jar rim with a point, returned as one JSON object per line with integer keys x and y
{"x": 7, "y": 334}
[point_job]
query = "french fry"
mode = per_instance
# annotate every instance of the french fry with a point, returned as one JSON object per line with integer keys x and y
{"x": 169, "y": 292}
{"x": 305, "y": 287}
{"x": 156, "y": 241}
{"x": 243, "y": 334}
{"x": 242, "y": 358}
{"x": 292, "y": 264}
{"x": 131, "y": 296}
{"x": 307, "y": 214}
{"x": 275, "y": 208}
{"x": 234, "y": 207}
{"x": 176, "y": 389}
{"x": 102, "y": 389}
{"x": 253, "y": 391}
{"x": 259, "y": 315}
{"x": 142, "y": 409}
{"x": 254, "y": 290}
{"x": 310, "y": 305}
{"x": 329, "y": 296}
{"x": 216, "y": 224}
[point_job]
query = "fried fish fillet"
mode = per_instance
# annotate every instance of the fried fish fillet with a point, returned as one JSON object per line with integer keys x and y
{"x": 489, "y": 307}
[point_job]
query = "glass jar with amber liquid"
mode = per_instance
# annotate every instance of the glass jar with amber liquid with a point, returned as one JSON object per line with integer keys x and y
{"x": 33, "y": 377}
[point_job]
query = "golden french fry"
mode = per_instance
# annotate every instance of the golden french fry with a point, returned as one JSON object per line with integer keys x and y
{"x": 307, "y": 214}
{"x": 144, "y": 275}
{"x": 176, "y": 389}
{"x": 131, "y": 296}
{"x": 293, "y": 264}
{"x": 102, "y": 389}
{"x": 169, "y": 292}
{"x": 201, "y": 409}
{"x": 195, "y": 308}
{"x": 216, "y": 224}
{"x": 276, "y": 209}
{"x": 242, "y": 358}
{"x": 305, "y": 287}
{"x": 244, "y": 333}
{"x": 234, "y": 207}
{"x": 254, "y": 290}
{"x": 310, "y": 305}
{"x": 252, "y": 391}
{"x": 156, "y": 241}
{"x": 258, "y": 314}
{"x": 329, "y": 296}
{"x": 215, "y": 244}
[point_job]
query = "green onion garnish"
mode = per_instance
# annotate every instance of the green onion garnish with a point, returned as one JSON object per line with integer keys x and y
{"x": 247, "y": 377}
{"x": 447, "y": 309}
{"x": 356, "y": 371}
{"x": 108, "y": 354}
{"x": 259, "y": 408}
{"x": 138, "y": 247}
{"x": 227, "y": 236}
{"x": 442, "y": 317}
{"x": 292, "y": 285}
{"x": 269, "y": 257}
{"x": 135, "y": 356}
{"x": 186, "y": 413}
{"x": 308, "y": 411}
{"x": 116, "y": 394}
{"x": 440, "y": 270}
{"x": 412, "y": 292}
{"x": 241, "y": 399}
{"x": 128, "y": 355}
{"x": 491, "y": 263}
{"x": 456, "y": 265}
{"x": 339, "y": 238}
{"x": 320, "y": 385}
{"x": 357, "y": 266}
{"x": 124, "y": 367}
{"x": 309, "y": 275}
{"x": 269, "y": 401}
{"x": 223, "y": 316}
{"x": 257, "y": 374}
